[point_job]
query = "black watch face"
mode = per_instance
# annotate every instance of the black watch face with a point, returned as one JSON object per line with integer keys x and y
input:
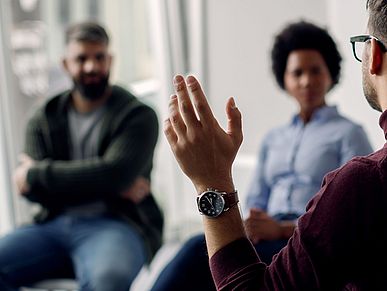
{"x": 211, "y": 204}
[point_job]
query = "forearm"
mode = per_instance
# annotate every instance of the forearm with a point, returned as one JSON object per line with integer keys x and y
{"x": 80, "y": 178}
{"x": 127, "y": 157}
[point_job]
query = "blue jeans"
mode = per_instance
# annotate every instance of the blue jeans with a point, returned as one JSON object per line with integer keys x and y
{"x": 189, "y": 270}
{"x": 103, "y": 253}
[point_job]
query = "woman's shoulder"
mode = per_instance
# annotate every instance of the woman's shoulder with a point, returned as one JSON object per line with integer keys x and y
{"x": 334, "y": 115}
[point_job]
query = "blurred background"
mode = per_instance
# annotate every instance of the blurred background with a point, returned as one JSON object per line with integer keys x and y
{"x": 225, "y": 43}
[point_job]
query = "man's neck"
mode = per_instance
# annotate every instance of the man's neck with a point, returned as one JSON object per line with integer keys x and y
{"x": 84, "y": 105}
{"x": 381, "y": 85}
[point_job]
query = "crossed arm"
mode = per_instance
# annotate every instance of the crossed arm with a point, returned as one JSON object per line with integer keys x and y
{"x": 43, "y": 175}
{"x": 136, "y": 192}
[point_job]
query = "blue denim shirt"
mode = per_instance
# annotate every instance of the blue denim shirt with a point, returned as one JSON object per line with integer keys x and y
{"x": 294, "y": 158}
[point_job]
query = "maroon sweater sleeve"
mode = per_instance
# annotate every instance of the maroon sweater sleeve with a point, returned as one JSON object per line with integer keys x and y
{"x": 237, "y": 266}
{"x": 341, "y": 222}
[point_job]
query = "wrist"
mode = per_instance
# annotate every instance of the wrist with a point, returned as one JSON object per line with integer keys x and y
{"x": 225, "y": 185}
{"x": 213, "y": 203}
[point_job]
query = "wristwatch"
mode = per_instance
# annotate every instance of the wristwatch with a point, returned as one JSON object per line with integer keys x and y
{"x": 213, "y": 203}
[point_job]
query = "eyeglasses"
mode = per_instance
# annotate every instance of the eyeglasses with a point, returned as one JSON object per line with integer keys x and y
{"x": 358, "y": 43}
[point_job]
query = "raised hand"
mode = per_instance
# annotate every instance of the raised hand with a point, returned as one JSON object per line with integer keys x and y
{"x": 204, "y": 151}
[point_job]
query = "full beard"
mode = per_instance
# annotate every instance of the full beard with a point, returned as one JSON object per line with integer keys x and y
{"x": 93, "y": 91}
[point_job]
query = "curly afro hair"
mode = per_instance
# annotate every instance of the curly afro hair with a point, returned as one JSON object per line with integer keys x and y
{"x": 304, "y": 35}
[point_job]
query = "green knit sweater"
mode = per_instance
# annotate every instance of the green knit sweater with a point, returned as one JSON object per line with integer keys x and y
{"x": 126, "y": 145}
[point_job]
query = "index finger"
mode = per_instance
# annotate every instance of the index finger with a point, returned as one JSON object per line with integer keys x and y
{"x": 203, "y": 109}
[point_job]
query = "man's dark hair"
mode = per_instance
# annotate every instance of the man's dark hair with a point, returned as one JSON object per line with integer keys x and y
{"x": 87, "y": 32}
{"x": 304, "y": 35}
{"x": 377, "y": 21}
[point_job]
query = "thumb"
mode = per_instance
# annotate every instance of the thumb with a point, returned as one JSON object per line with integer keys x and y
{"x": 234, "y": 124}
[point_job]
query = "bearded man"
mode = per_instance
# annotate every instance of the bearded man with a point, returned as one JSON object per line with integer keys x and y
{"x": 87, "y": 162}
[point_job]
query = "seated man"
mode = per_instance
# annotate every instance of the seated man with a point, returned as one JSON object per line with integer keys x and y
{"x": 87, "y": 162}
{"x": 293, "y": 158}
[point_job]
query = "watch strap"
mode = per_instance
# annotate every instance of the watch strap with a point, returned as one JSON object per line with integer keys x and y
{"x": 230, "y": 199}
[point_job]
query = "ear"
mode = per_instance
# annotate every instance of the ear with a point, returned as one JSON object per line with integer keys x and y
{"x": 376, "y": 58}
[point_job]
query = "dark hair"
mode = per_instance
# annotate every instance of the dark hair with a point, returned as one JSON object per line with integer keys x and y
{"x": 87, "y": 31}
{"x": 304, "y": 35}
{"x": 377, "y": 21}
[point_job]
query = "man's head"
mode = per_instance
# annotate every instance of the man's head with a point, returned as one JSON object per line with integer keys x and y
{"x": 87, "y": 59}
{"x": 374, "y": 62}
